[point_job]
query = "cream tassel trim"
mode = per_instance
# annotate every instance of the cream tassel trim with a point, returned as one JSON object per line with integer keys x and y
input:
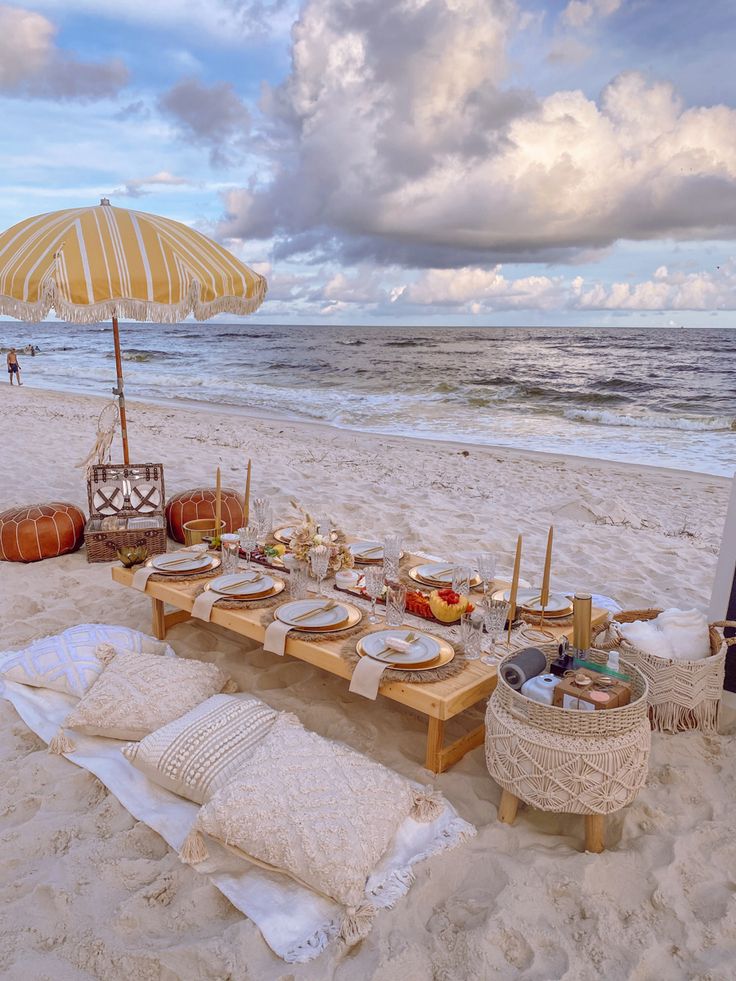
{"x": 194, "y": 849}
{"x": 61, "y": 744}
{"x": 105, "y": 653}
{"x": 428, "y": 806}
{"x": 130, "y": 308}
{"x": 231, "y": 687}
{"x": 357, "y": 923}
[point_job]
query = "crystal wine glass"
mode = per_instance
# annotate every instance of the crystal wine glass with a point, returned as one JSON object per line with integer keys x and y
{"x": 374, "y": 588}
{"x": 319, "y": 559}
{"x": 486, "y": 570}
{"x": 248, "y": 542}
{"x": 496, "y": 614}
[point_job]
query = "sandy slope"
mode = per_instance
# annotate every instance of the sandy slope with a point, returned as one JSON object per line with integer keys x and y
{"x": 87, "y": 892}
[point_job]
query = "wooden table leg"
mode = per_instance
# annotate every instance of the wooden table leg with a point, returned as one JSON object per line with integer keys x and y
{"x": 595, "y": 832}
{"x": 507, "y": 807}
{"x": 435, "y": 739}
{"x": 158, "y": 618}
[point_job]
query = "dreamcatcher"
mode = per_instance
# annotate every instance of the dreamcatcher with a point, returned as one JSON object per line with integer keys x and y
{"x": 107, "y": 423}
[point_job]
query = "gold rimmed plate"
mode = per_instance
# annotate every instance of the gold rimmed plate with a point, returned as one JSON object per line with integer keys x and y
{"x": 366, "y": 645}
{"x": 277, "y": 586}
{"x": 287, "y": 532}
{"x": 368, "y": 552}
{"x": 528, "y": 601}
{"x": 342, "y": 617}
{"x": 192, "y": 568}
{"x": 433, "y": 574}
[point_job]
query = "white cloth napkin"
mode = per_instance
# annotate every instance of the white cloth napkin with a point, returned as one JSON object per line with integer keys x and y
{"x": 275, "y": 640}
{"x": 367, "y": 677}
{"x": 140, "y": 578}
{"x": 203, "y": 604}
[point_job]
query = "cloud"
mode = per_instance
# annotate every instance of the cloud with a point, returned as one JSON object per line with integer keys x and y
{"x": 139, "y": 187}
{"x": 396, "y": 141}
{"x": 32, "y": 66}
{"x": 212, "y": 116}
{"x": 704, "y": 290}
{"x": 580, "y": 13}
{"x": 477, "y": 290}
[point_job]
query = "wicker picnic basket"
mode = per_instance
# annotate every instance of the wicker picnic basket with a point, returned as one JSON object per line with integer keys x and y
{"x": 682, "y": 694}
{"x": 565, "y": 760}
{"x": 126, "y": 506}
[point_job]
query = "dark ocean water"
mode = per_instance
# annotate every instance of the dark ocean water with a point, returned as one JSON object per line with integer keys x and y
{"x": 659, "y": 396}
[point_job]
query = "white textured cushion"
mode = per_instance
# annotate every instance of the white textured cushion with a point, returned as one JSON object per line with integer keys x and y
{"x": 137, "y": 693}
{"x": 66, "y": 662}
{"x": 198, "y": 753}
{"x": 310, "y": 807}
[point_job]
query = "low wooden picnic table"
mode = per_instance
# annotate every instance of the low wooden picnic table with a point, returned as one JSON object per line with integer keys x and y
{"x": 440, "y": 701}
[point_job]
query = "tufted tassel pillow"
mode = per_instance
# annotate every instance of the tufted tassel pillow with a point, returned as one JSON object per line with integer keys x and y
{"x": 67, "y": 661}
{"x": 138, "y": 693}
{"x": 314, "y": 809}
{"x": 198, "y": 753}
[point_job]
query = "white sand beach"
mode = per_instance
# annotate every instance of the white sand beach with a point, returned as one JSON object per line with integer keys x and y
{"x": 87, "y": 892}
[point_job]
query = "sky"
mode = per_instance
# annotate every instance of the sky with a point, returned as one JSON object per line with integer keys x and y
{"x": 500, "y": 162}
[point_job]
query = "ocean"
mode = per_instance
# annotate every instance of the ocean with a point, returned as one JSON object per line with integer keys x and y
{"x": 659, "y": 396}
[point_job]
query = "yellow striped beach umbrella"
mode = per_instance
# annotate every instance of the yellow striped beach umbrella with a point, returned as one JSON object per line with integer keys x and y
{"x": 92, "y": 264}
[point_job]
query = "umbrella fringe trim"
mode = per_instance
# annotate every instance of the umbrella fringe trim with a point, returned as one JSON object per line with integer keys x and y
{"x": 128, "y": 308}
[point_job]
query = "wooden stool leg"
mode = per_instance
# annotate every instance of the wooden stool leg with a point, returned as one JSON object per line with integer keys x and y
{"x": 595, "y": 832}
{"x": 508, "y": 807}
{"x": 158, "y": 619}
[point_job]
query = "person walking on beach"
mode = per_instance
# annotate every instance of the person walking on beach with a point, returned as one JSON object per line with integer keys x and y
{"x": 13, "y": 366}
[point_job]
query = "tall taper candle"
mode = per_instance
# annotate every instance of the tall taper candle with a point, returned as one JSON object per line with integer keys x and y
{"x": 544, "y": 600}
{"x": 246, "y": 499}
{"x": 514, "y": 586}
{"x": 218, "y": 503}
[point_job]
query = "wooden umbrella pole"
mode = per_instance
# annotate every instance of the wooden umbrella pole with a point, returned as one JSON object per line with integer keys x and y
{"x": 119, "y": 390}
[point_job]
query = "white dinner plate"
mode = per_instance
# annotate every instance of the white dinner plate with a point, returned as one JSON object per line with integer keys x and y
{"x": 425, "y": 648}
{"x": 169, "y": 563}
{"x": 359, "y": 548}
{"x": 327, "y": 618}
{"x": 220, "y": 585}
{"x": 529, "y": 599}
{"x": 284, "y": 535}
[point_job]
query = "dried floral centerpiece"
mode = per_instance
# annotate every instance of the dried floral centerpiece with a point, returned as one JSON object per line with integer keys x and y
{"x": 307, "y": 536}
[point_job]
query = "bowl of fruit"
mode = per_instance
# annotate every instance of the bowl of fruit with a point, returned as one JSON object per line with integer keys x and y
{"x": 448, "y": 606}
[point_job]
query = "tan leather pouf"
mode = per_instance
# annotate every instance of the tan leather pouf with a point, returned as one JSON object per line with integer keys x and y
{"x": 200, "y": 503}
{"x": 40, "y": 531}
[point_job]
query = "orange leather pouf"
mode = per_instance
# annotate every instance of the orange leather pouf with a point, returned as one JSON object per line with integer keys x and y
{"x": 200, "y": 503}
{"x": 40, "y": 531}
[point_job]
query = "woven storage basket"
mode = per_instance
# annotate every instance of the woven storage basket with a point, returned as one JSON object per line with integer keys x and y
{"x": 682, "y": 694}
{"x": 565, "y": 760}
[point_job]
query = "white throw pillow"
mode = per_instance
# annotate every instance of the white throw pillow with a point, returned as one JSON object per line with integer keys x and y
{"x": 66, "y": 662}
{"x": 312, "y": 808}
{"x": 138, "y": 693}
{"x": 198, "y": 753}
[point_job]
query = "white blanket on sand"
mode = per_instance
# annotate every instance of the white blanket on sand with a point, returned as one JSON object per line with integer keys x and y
{"x": 295, "y": 922}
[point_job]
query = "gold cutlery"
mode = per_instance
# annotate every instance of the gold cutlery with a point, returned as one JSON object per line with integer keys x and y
{"x": 313, "y": 613}
{"x": 241, "y": 582}
{"x": 168, "y": 565}
{"x": 368, "y": 551}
